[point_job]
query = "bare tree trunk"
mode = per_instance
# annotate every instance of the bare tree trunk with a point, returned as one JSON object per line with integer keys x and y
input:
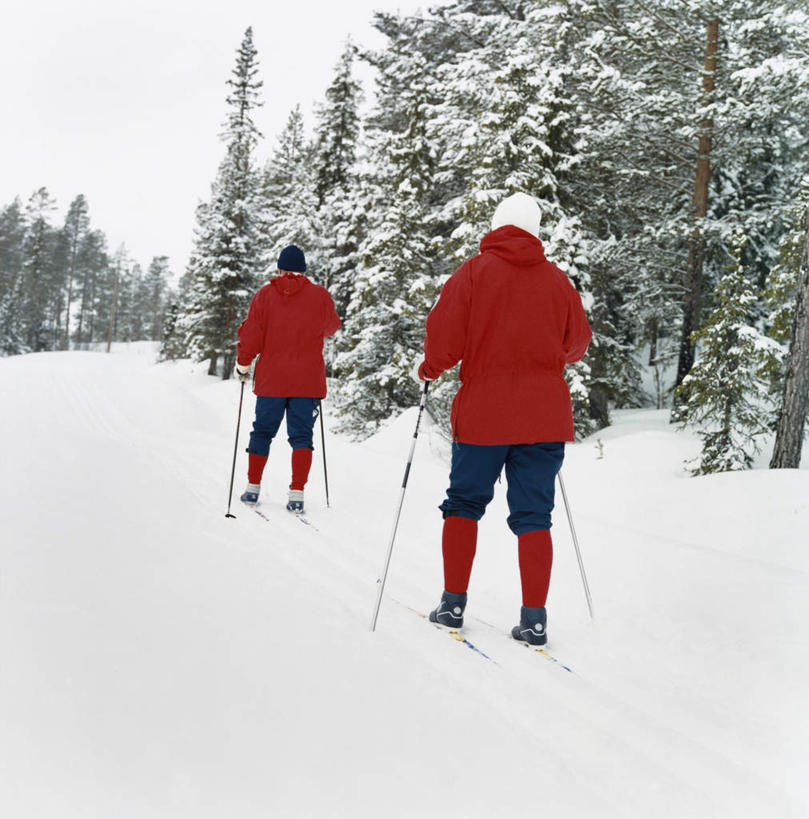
{"x": 71, "y": 274}
{"x": 792, "y": 418}
{"x": 114, "y": 306}
{"x": 696, "y": 242}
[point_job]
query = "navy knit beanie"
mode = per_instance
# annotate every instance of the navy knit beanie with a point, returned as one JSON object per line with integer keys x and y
{"x": 292, "y": 258}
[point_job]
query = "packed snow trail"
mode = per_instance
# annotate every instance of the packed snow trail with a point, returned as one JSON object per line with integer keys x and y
{"x": 159, "y": 660}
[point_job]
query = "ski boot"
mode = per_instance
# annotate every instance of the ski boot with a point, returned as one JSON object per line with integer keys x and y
{"x": 450, "y": 610}
{"x": 295, "y": 502}
{"x": 250, "y": 495}
{"x": 532, "y": 628}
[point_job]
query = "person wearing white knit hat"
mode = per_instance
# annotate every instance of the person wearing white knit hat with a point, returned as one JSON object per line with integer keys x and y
{"x": 513, "y": 319}
{"x": 520, "y": 210}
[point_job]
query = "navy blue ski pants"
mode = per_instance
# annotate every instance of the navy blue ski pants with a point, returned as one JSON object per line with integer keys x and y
{"x": 301, "y": 414}
{"x": 530, "y": 473}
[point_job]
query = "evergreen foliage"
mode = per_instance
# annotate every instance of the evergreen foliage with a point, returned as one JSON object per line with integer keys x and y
{"x": 726, "y": 394}
{"x": 57, "y": 285}
{"x": 227, "y": 244}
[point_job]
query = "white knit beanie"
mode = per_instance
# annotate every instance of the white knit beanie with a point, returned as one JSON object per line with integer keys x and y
{"x": 520, "y": 210}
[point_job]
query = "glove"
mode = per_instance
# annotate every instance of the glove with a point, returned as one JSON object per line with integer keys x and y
{"x": 242, "y": 372}
{"x": 416, "y": 375}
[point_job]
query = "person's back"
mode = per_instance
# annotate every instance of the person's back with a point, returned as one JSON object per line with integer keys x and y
{"x": 513, "y": 320}
{"x": 287, "y": 322}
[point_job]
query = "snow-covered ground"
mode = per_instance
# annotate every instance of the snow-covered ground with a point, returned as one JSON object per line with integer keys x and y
{"x": 160, "y": 660}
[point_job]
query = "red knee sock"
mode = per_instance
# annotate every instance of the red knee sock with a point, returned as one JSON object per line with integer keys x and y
{"x": 458, "y": 543}
{"x": 301, "y": 464}
{"x": 536, "y": 557}
{"x": 255, "y": 467}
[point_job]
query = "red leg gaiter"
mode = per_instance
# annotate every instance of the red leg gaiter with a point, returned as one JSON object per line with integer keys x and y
{"x": 255, "y": 467}
{"x": 536, "y": 557}
{"x": 458, "y": 543}
{"x": 301, "y": 464}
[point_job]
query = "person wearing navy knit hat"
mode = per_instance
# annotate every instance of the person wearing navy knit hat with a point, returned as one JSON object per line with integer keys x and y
{"x": 287, "y": 322}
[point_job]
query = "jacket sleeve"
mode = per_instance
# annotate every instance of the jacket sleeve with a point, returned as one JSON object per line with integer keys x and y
{"x": 447, "y": 325}
{"x": 251, "y": 332}
{"x": 332, "y": 321}
{"x": 577, "y": 330}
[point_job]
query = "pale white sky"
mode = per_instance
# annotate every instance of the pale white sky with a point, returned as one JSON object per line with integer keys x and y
{"x": 123, "y": 101}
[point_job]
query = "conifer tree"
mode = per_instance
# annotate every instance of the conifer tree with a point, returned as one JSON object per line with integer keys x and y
{"x": 93, "y": 269}
{"x": 74, "y": 232}
{"x": 339, "y": 216}
{"x": 726, "y": 394}
{"x": 288, "y": 199}
{"x": 37, "y": 286}
{"x": 12, "y": 235}
{"x": 227, "y": 251}
{"x": 155, "y": 297}
{"x": 395, "y": 285}
{"x": 795, "y": 399}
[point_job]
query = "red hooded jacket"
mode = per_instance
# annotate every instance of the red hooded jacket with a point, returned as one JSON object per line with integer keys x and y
{"x": 286, "y": 324}
{"x": 514, "y": 320}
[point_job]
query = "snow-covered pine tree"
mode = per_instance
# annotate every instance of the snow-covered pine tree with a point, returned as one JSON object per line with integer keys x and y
{"x": 791, "y": 425}
{"x": 726, "y": 394}
{"x": 39, "y": 290}
{"x": 74, "y": 232}
{"x": 12, "y": 235}
{"x": 339, "y": 217}
{"x": 155, "y": 297}
{"x": 506, "y": 121}
{"x": 395, "y": 284}
{"x": 288, "y": 199}
{"x": 93, "y": 267}
{"x": 227, "y": 245}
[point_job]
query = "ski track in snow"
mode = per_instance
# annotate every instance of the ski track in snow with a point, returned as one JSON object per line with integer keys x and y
{"x": 159, "y": 660}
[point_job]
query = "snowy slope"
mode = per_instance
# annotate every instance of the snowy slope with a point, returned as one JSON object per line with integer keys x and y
{"x": 159, "y": 660}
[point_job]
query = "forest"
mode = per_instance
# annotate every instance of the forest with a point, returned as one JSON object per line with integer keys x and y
{"x": 665, "y": 142}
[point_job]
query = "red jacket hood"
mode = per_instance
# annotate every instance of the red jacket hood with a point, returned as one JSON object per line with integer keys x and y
{"x": 289, "y": 285}
{"x": 513, "y": 245}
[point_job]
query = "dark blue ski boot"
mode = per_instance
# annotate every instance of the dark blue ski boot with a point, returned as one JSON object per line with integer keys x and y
{"x": 532, "y": 628}
{"x": 295, "y": 502}
{"x": 450, "y": 610}
{"x": 250, "y": 495}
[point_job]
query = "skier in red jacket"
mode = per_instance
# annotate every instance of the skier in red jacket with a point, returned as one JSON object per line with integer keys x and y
{"x": 287, "y": 322}
{"x": 513, "y": 320}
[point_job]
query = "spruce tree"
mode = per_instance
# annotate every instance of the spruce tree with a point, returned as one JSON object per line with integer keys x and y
{"x": 227, "y": 250}
{"x": 39, "y": 291}
{"x": 726, "y": 394}
{"x": 339, "y": 216}
{"x": 395, "y": 284}
{"x": 795, "y": 398}
{"x": 12, "y": 235}
{"x": 288, "y": 199}
{"x": 74, "y": 233}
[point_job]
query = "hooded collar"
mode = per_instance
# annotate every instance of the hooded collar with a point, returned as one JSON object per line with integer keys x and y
{"x": 514, "y": 245}
{"x": 289, "y": 285}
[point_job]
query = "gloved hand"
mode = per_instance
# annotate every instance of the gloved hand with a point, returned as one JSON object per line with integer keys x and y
{"x": 414, "y": 373}
{"x": 242, "y": 372}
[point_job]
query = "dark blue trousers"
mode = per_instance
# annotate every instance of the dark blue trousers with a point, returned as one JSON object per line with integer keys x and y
{"x": 301, "y": 414}
{"x": 530, "y": 473}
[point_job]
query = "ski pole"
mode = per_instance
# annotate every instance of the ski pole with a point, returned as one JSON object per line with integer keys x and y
{"x": 235, "y": 447}
{"x": 576, "y": 546}
{"x": 323, "y": 441}
{"x": 381, "y": 580}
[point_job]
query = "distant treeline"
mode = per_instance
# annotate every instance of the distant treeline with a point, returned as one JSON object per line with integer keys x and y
{"x": 61, "y": 288}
